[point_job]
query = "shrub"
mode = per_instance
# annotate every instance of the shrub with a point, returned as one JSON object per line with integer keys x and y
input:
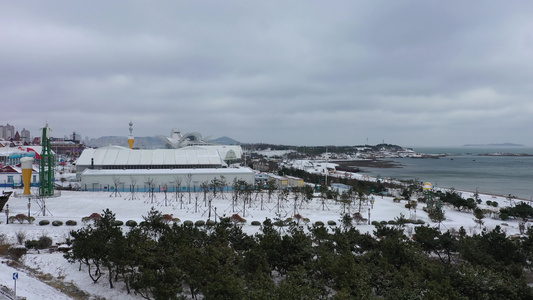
{"x": 235, "y": 218}
{"x": 383, "y": 222}
{"x": 71, "y": 223}
{"x": 11, "y": 219}
{"x": 375, "y": 223}
{"x": 20, "y": 218}
{"x": 44, "y": 222}
{"x": 30, "y": 219}
{"x": 332, "y": 223}
{"x": 57, "y": 223}
{"x": 210, "y": 223}
{"x": 31, "y": 244}
{"x": 392, "y": 222}
{"x": 93, "y": 217}
{"x": 188, "y": 223}
{"x": 199, "y": 223}
{"x": 44, "y": 242}
{"x": 279, "y": 223}
{"x": 131, "y": 223}
{"x": 504, "y": 216}
{"x": 118, "y": 223}
{"x": 167, "y": 218}
{"x": 494, "y": 203}
{"x": 319, "y": 223}
{"x": 176, "y": 220}
{"x": 21, "y": 236}
{"x": 489, "y": 203}
{"x": 3, "y": 239}
{"x": 256, "y": 223}
{"x": 17, "y": 252}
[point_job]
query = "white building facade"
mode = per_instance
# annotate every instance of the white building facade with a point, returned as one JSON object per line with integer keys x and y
{"x": 117, "y": 168}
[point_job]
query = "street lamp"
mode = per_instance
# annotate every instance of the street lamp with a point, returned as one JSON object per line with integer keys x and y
{"x": 7, "y": 213}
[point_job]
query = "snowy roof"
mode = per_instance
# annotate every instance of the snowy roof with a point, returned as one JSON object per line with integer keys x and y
{"x": 277, "y": 177}
{"x": 17, "y": 169}
{"x": 114, "y": 155}
{"x": 119, "y": 172}
{"x": 21, "y": 150}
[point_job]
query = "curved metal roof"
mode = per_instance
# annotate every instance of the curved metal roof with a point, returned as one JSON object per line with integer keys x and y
{"x": 121, "y": 156}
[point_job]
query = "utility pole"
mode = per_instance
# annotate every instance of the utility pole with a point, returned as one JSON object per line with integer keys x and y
{"x": 326, "y": 168}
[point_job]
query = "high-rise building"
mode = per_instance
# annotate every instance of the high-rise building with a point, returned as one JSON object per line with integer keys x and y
{"x": 25, "y": 135}
{"x": 7, "y": 131}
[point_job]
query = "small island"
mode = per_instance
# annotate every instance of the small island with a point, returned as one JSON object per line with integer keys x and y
{"x": 504, "y": 154}
{"x": 494, "y": 145}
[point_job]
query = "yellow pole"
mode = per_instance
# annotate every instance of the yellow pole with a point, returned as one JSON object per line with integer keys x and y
{"x": 130, "y": 142}
{"x": 27, "y": 168}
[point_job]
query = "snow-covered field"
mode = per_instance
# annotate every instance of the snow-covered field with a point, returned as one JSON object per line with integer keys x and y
{"x": 76, "y": 205}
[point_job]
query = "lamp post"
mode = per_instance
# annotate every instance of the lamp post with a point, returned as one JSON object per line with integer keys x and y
{"x": 29, "y": 207}
{"x": 7, "y": 213}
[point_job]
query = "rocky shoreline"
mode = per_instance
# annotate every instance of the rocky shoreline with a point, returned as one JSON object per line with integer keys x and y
{"x": 356, "y": 165}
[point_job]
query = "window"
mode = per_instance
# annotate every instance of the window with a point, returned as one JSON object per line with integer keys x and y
{"x": 34, "y": 178}
{"x": 10, "y": 179}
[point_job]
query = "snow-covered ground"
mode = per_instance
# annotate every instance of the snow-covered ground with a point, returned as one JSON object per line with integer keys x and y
{"x": 73, "y": 205}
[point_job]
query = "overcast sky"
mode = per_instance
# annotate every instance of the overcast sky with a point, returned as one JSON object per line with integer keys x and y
{"x": 413, "y": 73}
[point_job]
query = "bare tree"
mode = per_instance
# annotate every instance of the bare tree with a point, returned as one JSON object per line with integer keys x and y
{"x": 204, "y": 186}
{"x": 188, "y": 181}
{"x": 132, "y": 195}
{"x": 179, "y": 194}
{"x": 283, "y": 195}
{"x": 271, "y": 188}
{"x": 151, "y": 182}
{"x": 116, "y": 183}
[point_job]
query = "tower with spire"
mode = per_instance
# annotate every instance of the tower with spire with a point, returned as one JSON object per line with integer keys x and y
{"x": 130, "y": 137}
{"x": 46, "y": 174}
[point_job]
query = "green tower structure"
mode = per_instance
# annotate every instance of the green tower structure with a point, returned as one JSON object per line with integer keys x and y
{"x": 46, "y": 174}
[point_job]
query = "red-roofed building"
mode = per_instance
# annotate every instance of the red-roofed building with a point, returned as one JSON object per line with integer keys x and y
{"x": 11, "y": 176}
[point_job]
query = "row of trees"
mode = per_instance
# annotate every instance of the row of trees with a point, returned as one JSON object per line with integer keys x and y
{"x": 519, "y": 210}
{"x": 162, "y": 260}
{"x": 244, "y": 196}
{"x": 365, "y": 186}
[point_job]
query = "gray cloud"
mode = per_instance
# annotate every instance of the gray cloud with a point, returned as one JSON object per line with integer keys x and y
{"x": 297, "y": 72}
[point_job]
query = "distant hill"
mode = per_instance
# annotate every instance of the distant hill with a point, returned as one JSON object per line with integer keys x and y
{"x": 494, "y": 145}
{"x": 225, "y": 141}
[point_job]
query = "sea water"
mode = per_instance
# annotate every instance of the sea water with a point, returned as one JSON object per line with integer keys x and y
{"x": 465, "y": 169}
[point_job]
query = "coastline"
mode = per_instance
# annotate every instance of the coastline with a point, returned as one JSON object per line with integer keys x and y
{"x": 490, "y": 175}
{"x": 356, "y": 165}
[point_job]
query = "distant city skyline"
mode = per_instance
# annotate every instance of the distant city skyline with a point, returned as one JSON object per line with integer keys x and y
{"x": 407, "y": 72}
{"x": 122, "y": 140}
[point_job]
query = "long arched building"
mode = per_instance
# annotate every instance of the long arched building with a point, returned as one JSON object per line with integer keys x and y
{"x": 123, "y": 169}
